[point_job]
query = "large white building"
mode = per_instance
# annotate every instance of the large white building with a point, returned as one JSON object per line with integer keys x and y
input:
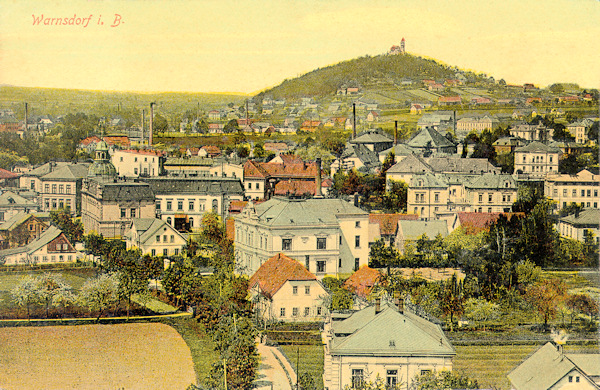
{"x": 329, "y": 236}
{"x": 154, "y": 237}
{"x": 581, "y": 189}
{"x": 576, "y": 225}
{"x": 382, "y": 340}
{"x": 135, "y": 163}
{"x": 537, "y": 159}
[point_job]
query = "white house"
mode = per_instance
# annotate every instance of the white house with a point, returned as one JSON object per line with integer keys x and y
{"x": 329, "y": 235}
{"x": 565, "y": 189}
{"x": 549, "y": 368}
{"x": 134, "y": 163}
{"x": 154, "y": 237}
{"x": 537, "y": 159}
{"x": 52, "y": 246}
{"x": 575, "y": 225}
{"x": 282, "y": 289}
{"x": 386, "y": 341}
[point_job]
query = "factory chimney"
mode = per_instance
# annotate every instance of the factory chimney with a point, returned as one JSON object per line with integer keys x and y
{"x": 395, "y": 133}
{"x": 318, "y": 193}
{"x": 353, "y": 120}
{"x": 26, "y": 112}
{"x": 151, "y": 123}
{"x": 143, "y": 121}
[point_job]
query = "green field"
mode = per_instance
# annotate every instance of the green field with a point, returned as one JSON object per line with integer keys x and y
{"x": 311, "y": 360}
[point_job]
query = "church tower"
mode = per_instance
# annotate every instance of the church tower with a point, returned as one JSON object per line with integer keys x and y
{"x": 402, "y": 46}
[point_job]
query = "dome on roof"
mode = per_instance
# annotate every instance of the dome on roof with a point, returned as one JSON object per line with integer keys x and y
{"x": 102, "y": 167}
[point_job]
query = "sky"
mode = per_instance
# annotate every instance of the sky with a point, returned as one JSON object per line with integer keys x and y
{"x": 250, "y": 45}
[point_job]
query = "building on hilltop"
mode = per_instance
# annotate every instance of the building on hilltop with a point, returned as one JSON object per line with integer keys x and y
{"x": 382, "y": 340}
{"x": 330, "y": 236}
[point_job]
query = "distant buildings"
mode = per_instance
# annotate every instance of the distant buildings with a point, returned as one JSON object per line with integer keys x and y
{"x": 537, "y": 159}
{"x": 565, "y": 189}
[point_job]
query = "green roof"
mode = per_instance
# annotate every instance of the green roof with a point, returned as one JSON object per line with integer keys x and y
{"x": 8, "y": 199}
{"x": 412, "y": 230}
{"x": 537, "y": 146}
{"x": 586, "y": 218}
{"x": 71, "y": 171}
{"x": 429, "y": 134}
{"x": 389, "y": 333}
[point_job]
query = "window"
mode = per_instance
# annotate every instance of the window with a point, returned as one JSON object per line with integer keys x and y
{"x": 145, "y": 159}
{"x": 321, "y": 266}
{"x": 158, "y": 238}
{"x": 165, "y": 252}
{"x": 169, "y": 221}
{"x": 295, "y": 312}
{"x": 32, "y": 185}
{"x": 215, "y": 205}
{"x": 46, "y": 188}
{"x": 356, "y": 263}
{"x": 582, "y": 192}
{"x": 158, "y": 204}
{"x": 307, "y": 262}
{"x": 322, "y": 243}
{"x": 61, "y": 204}
{"x": 570, "y": 378}
{"x": 123, "y": 213}
{"x": 286, "y": 244}
{"x": 68, "y": 188}
{"x": 391, "y": 378}
{"x": 307, "y": 290}
{"x": 179, "y": 204}
{"x": 357, "y": 242}
{"x": 191, "y": 205}
{"x": 480, "y": 197}
{"x": 282, "y": 312}
{"x": 577, "y": 379}
{"x": 61, "y": 188}
{"x": 135, "y": 159}
{"x": 47, "y": 203}
{"x": 589, "y": 193}
{"x": 172, "y": 238}
{"x": 135, "y": 171}
{"x": 436, "y": 197}
{"x": 54, "y": 188}
{"x": 339, "y": 263}
{"x": 169, "y": 204}
{"x": 191, "y": 220}
{"x": 176, "y": 251}
{"x": 425, "y": 372}
{"x": 132, "y": 211}
{"x": 53, "y": 203}
{"x": 153, "y": 252}
{"x": 357, "y": 378}
{"x": 357, "y": 224}
{"x": 319, "y": 310}
{"x": 121, "y": 159}
{"x": 489, "y": 198}
{"x": 306, "y": 311}
{"x": 295, "y": 290}
{"x": 574, "y": 193}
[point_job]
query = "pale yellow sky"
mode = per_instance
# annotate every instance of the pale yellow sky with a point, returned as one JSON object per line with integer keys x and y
{"x": 249, "y": 45}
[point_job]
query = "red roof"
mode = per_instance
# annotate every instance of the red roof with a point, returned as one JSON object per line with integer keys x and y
{"x": 476, "y": 222}
{"x": 273, "y": 274}
{"x": 389, "y": 222}
{"x": 283, "y": 171}
{"x": 144, "y": 151}
{"x": 295, "y": 187}
{"x": 236, "y": 206}
{"x": 290, "y": 159}
{"x": 121, "y": 140}
{"x": 4, "y": 174}
{"x": 212, "y": 150}
{"x": 449, "y": 99}
{"x": 362, "y": 281}
{"x": 230, "y": 228}
{"x": 89, "y": 140}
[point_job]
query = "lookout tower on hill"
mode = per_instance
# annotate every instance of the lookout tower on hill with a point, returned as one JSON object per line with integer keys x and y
{"x": 399, "y": 49}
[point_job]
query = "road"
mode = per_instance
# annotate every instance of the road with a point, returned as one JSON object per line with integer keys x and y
{"x": 274, "y": 371}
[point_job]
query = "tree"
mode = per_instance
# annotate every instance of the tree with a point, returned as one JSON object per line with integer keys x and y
{"x": 545, "y": 296}
{"x": 231, "y": 127}
{"x": 382, "y": 255}
{"x": 27, "y": 293}
{"x": 133, "y": 278}
{"x": 443, "y": 380}
{"x": 243, "y": 151}
{"x": 73, "y": 230}
{"x": 49, "y": 285}
{"x": 100, "y": 293}
{"x": 341, "y": 299}
{"x": 396, "y": 197}
{"x": 160, "y": 124}
{"x": 582, "y": 303}
{"x": 452, "y": 299}
{"x": 481, "y": 311}
{"x": 63, "y": 297}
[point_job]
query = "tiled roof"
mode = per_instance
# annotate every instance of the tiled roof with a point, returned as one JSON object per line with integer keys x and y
{"x": 196, "y": 185}
{"x": 236, "y": 206}
{"x": 362, "y": 281}
{"x": 4, "y": 174}
{"x": 273, "y": 274}
{"x": 460, "y": 165}
{"x": 89, "y": 140}
{"x": 429, "y": 134}
{"x": 477, "y": 222}
{"x": 70, "y": 171}
{"x": 189, "y": 161}
{"x": 536, "y": 146}
{"x": 123, "y": 190}
{"x": 230, "y": 228}
{"x": 449, "y": 99}
{"x": 291, "y": 159}
{"x": 589, "y": 217}
{"x": 255, "y": 169}
{"x": 412, "y": 230}
{"x": 121, "y": 140}
{"x": 389, "y": 222}
{"x": 411, "y": 164}
{"x": 295, "y": 187}
{"x": 369, "y": 158}
{"x": 8, "y": 198}
{"x": 371, "y": 137}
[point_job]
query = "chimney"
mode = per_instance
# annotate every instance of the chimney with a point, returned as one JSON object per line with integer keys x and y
{"x": 395, "y": 133}
{"x": 318, "y": 193}
{"x": 377, "y": 305}
{"x": 353, "y": 120}
{"x": 26, "y": 112}
{"x": 151, "y": 123}
{"x": 143, "y": 121}
{"x": 356, "y": 199}
{"x": 577, "y": 212}
{"x": 400, "y": 305}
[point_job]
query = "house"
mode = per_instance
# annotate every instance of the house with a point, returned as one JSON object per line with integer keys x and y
{"x": 260, "y": 179}
{"x": 435, "y": 87}
{"x": 374, "y": 140}
{"x": 506, "y": 145}
{"x": 52, "y": 246}
{"x": 356, "y": 156}
{"x": 550, "y": 368}
{"x": 8, "y": 178}
{"x": 478, "y": 124}
{"x": 362, "y": 281}
{"x": 580, "y": 224}
{"x": 428, "y": 141}
{"x": 530, "y": 132}
{"x": 276, "y": 147}
{"x": 282, "y": 289}
{"x": 89, "y": 144}
{"x": 400, "y": 152}
{"x": 473, "y": 222}
{"x": 382, "y": 340}
{"x": 117, "y": 142}
{"x": 136, "y": 163}
{"x": 412, "y": 230}
{"x": 209, "y": 151}
{"x": 416, "y": 108}
{"x": 537, "y": 159}
{"x": 12, "y": 204}
{"x": 439, "y": 120}
{"x": 154, "y": 237}
{"x": 373, "y": 116}
{"x": 192, "y": 166}
{"x": 384, "y": 226}
{"x": 21, "y": 229}
{"x": 182, "y": 201}
{"x": 223, "y": 169}
{"x": 579, "y": 131}
{"x": 329, "y": 235}
{"x": 449, "y": 100}
{"x": 565, "y": 189}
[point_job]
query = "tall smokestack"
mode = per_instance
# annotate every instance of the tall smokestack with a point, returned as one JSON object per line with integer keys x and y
{"x": 26, "y": 112}
{"x": 353, "y": 120}
{"x": 151, "y": 123}
{"x": 247, "y": 124}
{"x": 143, "y": 121}
{"x": 395, "y": 133}
{"x": 318, "y": 193}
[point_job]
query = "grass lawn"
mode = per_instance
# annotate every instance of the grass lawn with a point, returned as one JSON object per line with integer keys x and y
{"x": 490, "y": 364}
{"x": 199, "y": 343}
{"x": 131, "y": 356}
{"x": 311, "y": 360}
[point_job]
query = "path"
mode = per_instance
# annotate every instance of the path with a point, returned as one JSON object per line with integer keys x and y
{"x": 274, "y": 370}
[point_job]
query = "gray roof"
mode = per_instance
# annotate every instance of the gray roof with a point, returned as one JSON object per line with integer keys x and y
{"x": 460, "y": 165}
{"x": 586, "y": 218}
{"x": 147, "y": 227}
{"x": 46, "y": 168}
{"x": 188, "y": 161}
{"x": 411, "y": 164}
{"x": 536, "y": 146}
{"x": 120, "y": 190}
{"x": 428, "y": 180}
{"x": 15, "y": 220}
{"x": 44, "y": 239}
{"x": 389, "y": 333}
{"x": 71, "y": 171}
{"x": 364, "y": 154}
{"x": 197, "y": 185}
{"x": 8, "y": 199}
{"x": 429, "y": 134}
{"x": 546, "y": 367}
{"x": 289, "y": 212}
{"x": 399, "y": 150}
{"x": 412, "y": 230}
{"x": 493, "y": 181}
{"x": 371, "y": 137}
